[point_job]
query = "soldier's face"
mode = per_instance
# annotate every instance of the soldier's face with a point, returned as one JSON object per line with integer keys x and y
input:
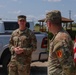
{"x": 22, "y": 23}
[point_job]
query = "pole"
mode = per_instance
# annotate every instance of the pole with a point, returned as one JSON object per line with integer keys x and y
{"x": 69, "y": 14}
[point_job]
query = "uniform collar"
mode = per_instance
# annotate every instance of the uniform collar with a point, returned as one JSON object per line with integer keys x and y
{"x": 59, "y": 31}
{"x": 22, "y": 31}
{"x": 56, "y": 34}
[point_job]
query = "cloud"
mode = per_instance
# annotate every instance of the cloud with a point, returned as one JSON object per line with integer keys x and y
{"x": 15, "y": 12}
{"x": 34, "y": 18}
{"x": 75, "y": 15}
{"x": 41, "y": 17}
{"x": 19, "y": 1}
{"x": 15, "y": 0}
{"x": 31, "y": 17}
{"x": 46, "y": 11}
{"x": 52, "y": 0}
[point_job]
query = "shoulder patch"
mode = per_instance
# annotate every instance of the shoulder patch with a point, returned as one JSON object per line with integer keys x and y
{"x": 59, "y": 53}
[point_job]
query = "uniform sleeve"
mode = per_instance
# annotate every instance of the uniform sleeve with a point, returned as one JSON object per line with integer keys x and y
{"x": 33, "y": 41}
{"x": 64, "y": 56}
{"x": 33, "y": 47}
{"x": 11, "y": 44}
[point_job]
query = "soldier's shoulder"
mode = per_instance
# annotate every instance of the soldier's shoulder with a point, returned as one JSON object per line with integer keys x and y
{"x": 60, "y": 39}
{"x": 30, "y": 31}
{"x": 63, "y": 36}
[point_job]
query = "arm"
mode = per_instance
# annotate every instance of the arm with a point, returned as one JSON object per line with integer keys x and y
{"x": 11, "y": 44}
{"x": 33, "y": 41}
{"x": 33, "y": 44}
{"x": 13, "y": 48}
{"x": 64, "y": 56}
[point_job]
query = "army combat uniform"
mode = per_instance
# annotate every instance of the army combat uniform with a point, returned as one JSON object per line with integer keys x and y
{"x": 61, "y": 55}
{"x": 20, "y": 63}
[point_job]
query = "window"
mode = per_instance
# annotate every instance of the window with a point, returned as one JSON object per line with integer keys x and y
{"x": 10, "y": 25}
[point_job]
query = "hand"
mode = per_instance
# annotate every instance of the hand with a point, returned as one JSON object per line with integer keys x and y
{"x": 18, "y": 50}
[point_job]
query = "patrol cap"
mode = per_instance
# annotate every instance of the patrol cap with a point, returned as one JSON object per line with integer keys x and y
{"x": 54, "y": 16}
{"x": 21, "y": 17}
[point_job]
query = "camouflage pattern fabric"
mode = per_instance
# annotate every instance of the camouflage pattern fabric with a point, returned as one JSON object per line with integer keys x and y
{"x": 20, "y": 63}
{"x": 15, "y": 68}
{"x": 54, "y": 16}
{"x": 61, "y": 55}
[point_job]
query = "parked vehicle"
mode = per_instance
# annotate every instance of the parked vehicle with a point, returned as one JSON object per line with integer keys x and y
{"x": 6, "y": 28}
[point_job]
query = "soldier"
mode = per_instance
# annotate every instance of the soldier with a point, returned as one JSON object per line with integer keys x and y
{"x": 22, "y": 43}
{"x": 60, "y": 61}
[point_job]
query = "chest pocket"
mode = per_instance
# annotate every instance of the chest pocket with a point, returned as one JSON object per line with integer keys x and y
{"x": 24, "y": 41}
{"x": 15, "y": 38}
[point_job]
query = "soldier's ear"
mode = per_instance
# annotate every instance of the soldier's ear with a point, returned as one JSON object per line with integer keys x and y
{"x": 27, "y": 25}
{"x": 49, "y": 23}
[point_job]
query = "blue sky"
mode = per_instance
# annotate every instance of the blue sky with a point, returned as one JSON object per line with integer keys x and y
{"x": 36, "y": 9}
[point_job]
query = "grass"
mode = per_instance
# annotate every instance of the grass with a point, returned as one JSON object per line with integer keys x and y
{"x": 74, "y": 28}
{"x": 38, "y": 28}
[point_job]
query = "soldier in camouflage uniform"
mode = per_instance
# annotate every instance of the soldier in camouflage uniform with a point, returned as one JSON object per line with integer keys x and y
{"x": 60, "y": 61}
{"x": 22, "y": 43}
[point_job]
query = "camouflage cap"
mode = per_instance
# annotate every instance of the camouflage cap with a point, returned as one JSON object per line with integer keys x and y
{"x": 21, "y": 17}
{"x": 54, "y": 16}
